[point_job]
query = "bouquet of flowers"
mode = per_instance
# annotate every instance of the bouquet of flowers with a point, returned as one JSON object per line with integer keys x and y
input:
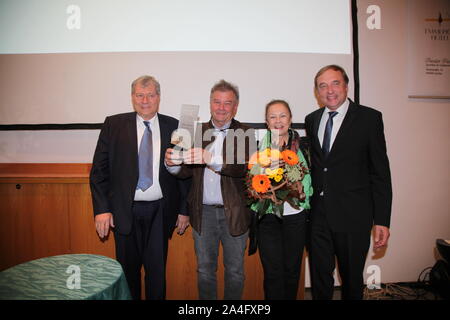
{"x": 274, "y": 177}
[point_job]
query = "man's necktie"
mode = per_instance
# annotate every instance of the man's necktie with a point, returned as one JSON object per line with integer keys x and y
{"x": 327, "y": 135}
{"x": 146, "y": 159}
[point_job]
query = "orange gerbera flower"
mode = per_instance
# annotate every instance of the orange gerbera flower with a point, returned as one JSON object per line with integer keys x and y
{"x": 290, "y": 157}
{"x": 261, "y": 183}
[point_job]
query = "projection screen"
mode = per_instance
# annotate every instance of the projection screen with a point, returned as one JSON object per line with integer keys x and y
{"x": 68, "y": 62}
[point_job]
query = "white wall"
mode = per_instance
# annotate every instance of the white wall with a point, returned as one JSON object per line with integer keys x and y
{"x": 87, "y": 87}
{"x": 417, "y": 134}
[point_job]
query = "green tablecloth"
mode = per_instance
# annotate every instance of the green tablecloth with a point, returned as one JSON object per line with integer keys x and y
{"x": 70, "y": 276}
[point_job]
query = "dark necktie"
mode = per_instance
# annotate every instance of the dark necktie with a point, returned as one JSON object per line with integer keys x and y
{"x": 146, "y": 159}
{"x": 327, "y": 135}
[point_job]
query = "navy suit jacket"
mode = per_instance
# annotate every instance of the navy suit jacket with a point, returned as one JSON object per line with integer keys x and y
{"x": 355, "y": 177}
{"x": 115, "y": 172}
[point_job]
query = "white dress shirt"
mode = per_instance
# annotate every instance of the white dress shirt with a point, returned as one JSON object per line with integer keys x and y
{"x": 154, "y": 192}
{"x": 290, "y": 210}
{"x": 337, "y": 122}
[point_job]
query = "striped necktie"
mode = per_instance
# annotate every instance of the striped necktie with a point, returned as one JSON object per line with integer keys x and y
{"x": 327, "y": 135}
{"x": 146, "y": 159}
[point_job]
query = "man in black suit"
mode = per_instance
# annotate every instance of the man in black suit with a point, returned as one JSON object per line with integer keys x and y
{"x": 352, "y": 186}
{"x": 133, "y": 192}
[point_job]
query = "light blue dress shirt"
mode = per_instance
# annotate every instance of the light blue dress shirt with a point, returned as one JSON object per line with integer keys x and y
{"x": 212, "y": 192}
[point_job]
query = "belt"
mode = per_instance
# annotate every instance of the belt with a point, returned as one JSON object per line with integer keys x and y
{"x": 146, "y": 202}
{"x": 215, "y": 205}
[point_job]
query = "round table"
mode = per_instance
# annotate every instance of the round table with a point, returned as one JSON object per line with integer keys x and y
{"x": 70, "y": 276}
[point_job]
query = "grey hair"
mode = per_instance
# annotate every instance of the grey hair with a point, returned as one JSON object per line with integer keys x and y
{"x": 223, "y": 85}
{"x": 145, "y": 81}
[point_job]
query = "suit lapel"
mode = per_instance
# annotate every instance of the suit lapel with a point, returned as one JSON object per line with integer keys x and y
{"x": 131, "y": 132}
{"x": 345, "y": 129}
{"x": 207, "y": 126}
{"x": 165, "y": 133}
{"x": 316, "y": 123}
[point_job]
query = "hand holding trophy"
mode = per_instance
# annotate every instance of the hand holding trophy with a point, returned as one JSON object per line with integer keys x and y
{"x": 182, "y": 138}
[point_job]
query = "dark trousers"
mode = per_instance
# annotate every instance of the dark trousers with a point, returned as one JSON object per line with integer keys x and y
{"x": 280, "y": 244}
{"x": 144, "y": 246}
{"x": 350, "y": 249}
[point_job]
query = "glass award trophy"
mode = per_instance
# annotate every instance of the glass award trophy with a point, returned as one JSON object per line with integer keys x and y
{"x": 183, "y": 137}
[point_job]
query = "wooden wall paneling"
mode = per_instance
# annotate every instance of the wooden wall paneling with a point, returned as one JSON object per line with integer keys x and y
{"x": 51, "y": 214}
{"x": 44, "y": 206}
{"x": 254, "y": 277}
{"x": 181, "y": 272}
{"x": 83, "y": 236}
{"x": 39, "y": 226}
{"x": 45, "y": 170}
{"x": 9, "y": 227}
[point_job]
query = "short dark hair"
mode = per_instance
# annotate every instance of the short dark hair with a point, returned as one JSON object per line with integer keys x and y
{"x": 280, "y": 101}
{"x": 223, "y": 85}
{"x": 334, "y": 67}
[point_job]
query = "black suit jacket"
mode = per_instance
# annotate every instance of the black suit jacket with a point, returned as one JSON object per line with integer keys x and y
{"x": 114, "y": 174}
{"x": 355, "y": 177}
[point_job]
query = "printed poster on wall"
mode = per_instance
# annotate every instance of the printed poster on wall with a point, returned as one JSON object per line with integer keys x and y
{"x": 429, "y": 49}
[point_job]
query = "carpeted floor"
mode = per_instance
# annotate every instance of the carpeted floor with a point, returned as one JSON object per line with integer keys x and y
{"x": 393, "y": 291}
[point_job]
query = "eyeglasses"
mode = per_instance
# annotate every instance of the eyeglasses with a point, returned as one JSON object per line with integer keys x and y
{"x": 141, "y": 96}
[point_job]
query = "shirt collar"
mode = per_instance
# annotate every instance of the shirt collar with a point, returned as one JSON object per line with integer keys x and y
{"x": 342, "y": 110}
{"x": 224, "y": 127}
{"x": 141, "y": 120}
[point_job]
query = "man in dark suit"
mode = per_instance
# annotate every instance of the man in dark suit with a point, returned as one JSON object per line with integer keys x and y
{"x": 133, "y": 192}
{"x": 352, "y": 186}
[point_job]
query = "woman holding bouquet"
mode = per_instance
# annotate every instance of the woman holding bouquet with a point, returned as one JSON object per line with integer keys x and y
{"x": 280, "y": 192}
